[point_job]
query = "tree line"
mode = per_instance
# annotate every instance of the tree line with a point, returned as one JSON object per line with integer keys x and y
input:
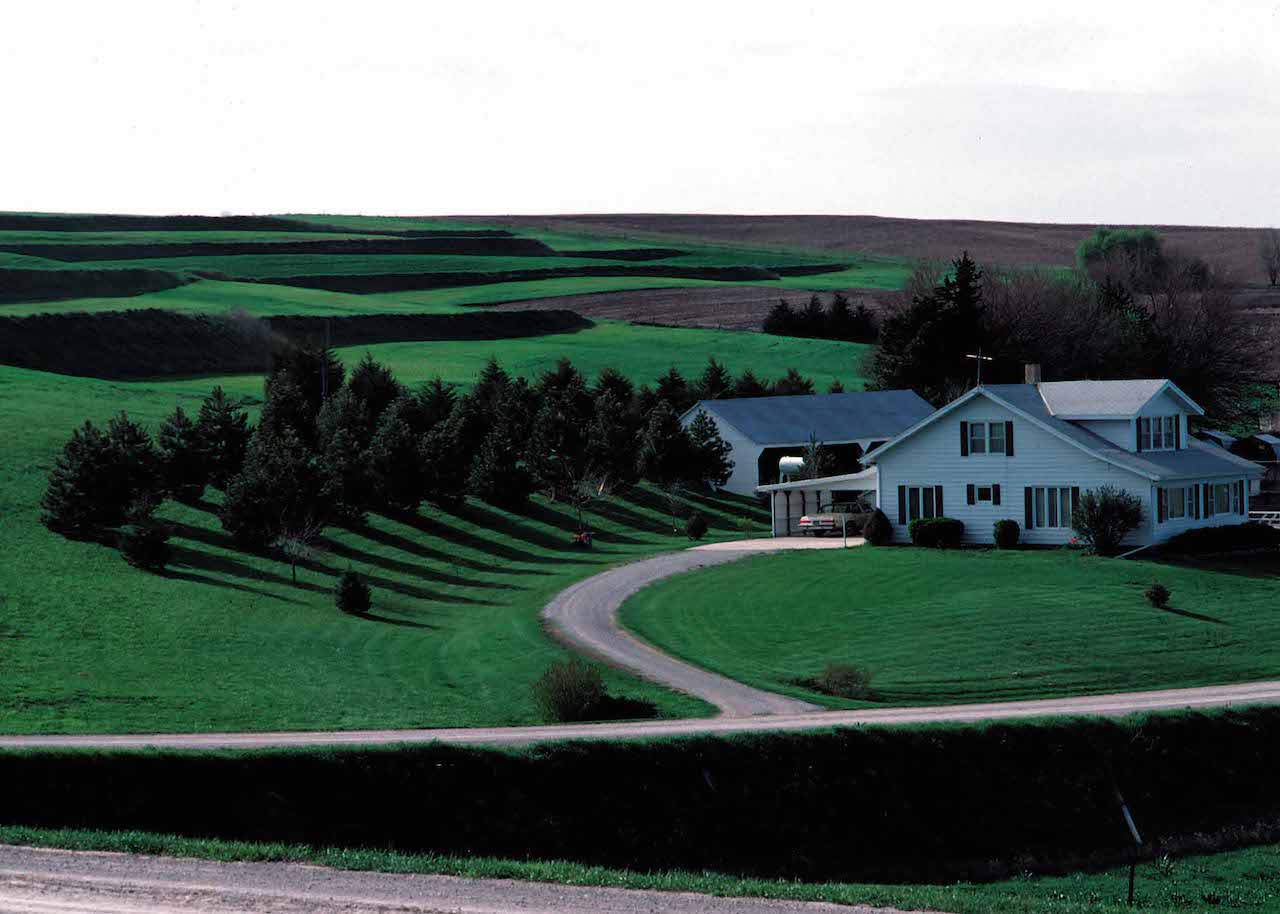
{"x": 1130, "y": 309}
{"x": 330, "y": 446}
{"x": 838, "y": 321}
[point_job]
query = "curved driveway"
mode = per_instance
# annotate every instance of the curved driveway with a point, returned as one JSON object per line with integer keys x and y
{"x": 585, "y": 615}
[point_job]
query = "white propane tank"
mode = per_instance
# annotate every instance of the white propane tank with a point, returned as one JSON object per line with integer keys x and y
{"x": 790, "y": 466}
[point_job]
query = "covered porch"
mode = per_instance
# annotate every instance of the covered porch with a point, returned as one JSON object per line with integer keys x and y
{"x": 789, "y": 501}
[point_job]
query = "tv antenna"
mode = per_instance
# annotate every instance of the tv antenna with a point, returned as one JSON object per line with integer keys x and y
{"x": 979, "y": 358}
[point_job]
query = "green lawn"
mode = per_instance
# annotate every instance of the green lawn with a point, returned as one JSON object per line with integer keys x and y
{"x": 1240, "y": 880}
{"x": 946, "y": 627}
{"x": 225, "y": 641}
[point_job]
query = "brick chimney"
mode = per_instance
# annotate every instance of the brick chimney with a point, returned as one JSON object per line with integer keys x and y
{"x": 1031, "y": 372}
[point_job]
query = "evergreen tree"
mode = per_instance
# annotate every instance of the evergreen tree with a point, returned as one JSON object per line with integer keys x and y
{"x": 781, "y": 319}
{"x": 612, "y": 381}
{"x": 812, "y": 321}
{"x": 646, "y": 400}
{"x": 137, "y": 463}
{"x": 835, "y": 387}
{"x": 839, "y": 320}
{"x": 710, "y": 451}
{"x": 81, "y": 495}
{"x": 316, "y": 370}
{"x": 286, "y": 407}
{"x": 666, "y": 453}
{"x": 276, "y": 491}
{"x": 923, "y": 348}
{"x": 448, "y": 449}
{"x": 748, "y": 385}
{"x": 674, "y": 389}
{"x": 222, "y": 429}
{"x": 183, "y": 470}
{"x": 435, "y": 402}
{"x": 343, "y": 430}
{"x": 490, "y": 388}
{"x": 715, "y": 383}
{"x": 611, "y": 441}
{"x": 792, "y": 384}
{"x": 498, "y": 474}
{"x": 863, "y": 326}
{"x": 557, "y": 450}
{"x": 375, "y": 386}
{"x": 397, "y": 478}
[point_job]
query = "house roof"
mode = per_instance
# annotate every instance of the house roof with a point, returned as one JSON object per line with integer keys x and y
{"x": 866, "y": 479}
{"x": 1106, "y": 399}
{"x": 777, "y": 421}
{"x": 1196, "y": 459}
{"x": 1222, "y": 439}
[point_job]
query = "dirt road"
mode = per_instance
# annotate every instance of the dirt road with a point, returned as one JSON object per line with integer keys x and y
{"x": 34, "y": 881}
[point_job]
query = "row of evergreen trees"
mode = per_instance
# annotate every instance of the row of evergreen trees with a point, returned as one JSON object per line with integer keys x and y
{"x": 839, "y": 321}
{"x": 328, "y": 448}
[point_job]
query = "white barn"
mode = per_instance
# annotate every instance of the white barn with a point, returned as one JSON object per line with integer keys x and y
{"x": 762, "y": 430}
{"x": 1027, "y": 451}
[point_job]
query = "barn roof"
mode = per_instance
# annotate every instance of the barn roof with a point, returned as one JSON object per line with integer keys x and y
{"x": 833, "y": 418}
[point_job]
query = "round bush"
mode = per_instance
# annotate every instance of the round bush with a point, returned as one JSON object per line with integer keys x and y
{"x": 936, "y": 532}
{"x": 144, "y": 546}
{"x": 352, "y": 595}
{"x": 1007, "y": 533}
{"x": 1157, "y": 595}
{"x": 569, "y": 691}
{"x": 878, "y": 531}
{"x": 696, "y": 526}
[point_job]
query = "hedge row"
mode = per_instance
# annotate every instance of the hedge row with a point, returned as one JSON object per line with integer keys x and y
{"x": 96, "y": 222}
{"x": 18, "y": 285}
{"x": 404, "y": 282}
{"x": 925, "y": 803}
{"x": 149, "y": 342}
{"x": 468, "y": 246}
{"x": 626, "y": 253}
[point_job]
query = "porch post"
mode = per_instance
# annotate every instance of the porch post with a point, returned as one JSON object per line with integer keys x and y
{"x": 787, "y": 496}
{"x": 773, "y": 514}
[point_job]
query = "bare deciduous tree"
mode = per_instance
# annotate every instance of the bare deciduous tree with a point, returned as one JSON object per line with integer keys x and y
{"x": 1269, "y": 253}
{"x": 297, "y": 545}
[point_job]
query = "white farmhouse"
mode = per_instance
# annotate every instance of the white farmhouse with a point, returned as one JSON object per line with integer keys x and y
{"x": 1027, "y": 451}
{"x": 762, "y": 430}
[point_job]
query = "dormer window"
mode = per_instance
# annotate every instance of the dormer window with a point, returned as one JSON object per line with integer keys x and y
{"x": 1158, "y": 433}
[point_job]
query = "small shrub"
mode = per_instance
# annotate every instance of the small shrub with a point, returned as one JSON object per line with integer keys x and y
{"x": 352, "y": 595}
{"x": 696, "y": 526}
{"x": 144, "y": 545}
{"x": 570, "y": 691}
{"x": 1007, "y": 533}
{"x": 1230, "y": 538}
{"x": 843, "y": 680}
{"x": 936, "y": 532}
{"x": 1105, "y": 516}
{"x": 1157, "y": 595}
{"x": 878, "y": 531}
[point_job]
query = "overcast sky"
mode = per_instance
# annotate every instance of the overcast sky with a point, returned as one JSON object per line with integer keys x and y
{"x": 1115, "y": 112}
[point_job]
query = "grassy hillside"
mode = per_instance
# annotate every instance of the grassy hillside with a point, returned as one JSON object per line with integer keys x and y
{"x": 941, "y": 627}
{"x": 226, "y": 641}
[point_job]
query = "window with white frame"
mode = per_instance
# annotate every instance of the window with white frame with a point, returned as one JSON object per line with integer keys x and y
{"x": 986, "y": 438}
{"x": 1158, "y": 433}
{"x": 1222, "y": 498}
{"x": 920, "y": 502}
{"x": 1177, "y": 499}
{"x": 1051, "y": 507}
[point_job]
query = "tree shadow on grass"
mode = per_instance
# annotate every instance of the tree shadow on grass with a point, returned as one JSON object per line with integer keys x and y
{"x": 738, "y": 506}
{"x": 1190, "y": 615}
{"x": 408, "y": 568}
{"x": 482, "y": 515}
{"x": 1263, "y": 566}
{"x": 412, "y": 547}
{"x": 618, "y": 512}
{"x": 221, "y": 564}
{"x": 387, "y": 620}
{"x": 194, "y": 578}
{"x": 570, "y": 526}
{"x": 491, "y": 545}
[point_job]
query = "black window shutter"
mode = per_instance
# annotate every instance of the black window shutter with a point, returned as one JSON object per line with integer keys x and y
{"x": 1195, "y": 501}
{"x": 902, "y": 504}
{"x": 937, "y": 501}
{"x": 968, "y": 493}
{"x": 1137, "y": 441}
{"x": 1208, "y": 500}
{"x": 1075, "y": 499}
{"x": 995, "y": 494}
{"x": 1008, "y": 440}
{"x": 964, "y": 439}
{"x": 1027, "y": 493}
{"x": 1177, "y": 432}
{"x": 1160, "y": 505}
{"x": 1240, "y": 486}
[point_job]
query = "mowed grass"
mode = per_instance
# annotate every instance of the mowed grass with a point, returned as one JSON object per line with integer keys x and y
{"x": 1242, "y": 880}
{"x": 225, "y": 641}
{"x": 948, "y": 627}
{"x": 638, "y": 351}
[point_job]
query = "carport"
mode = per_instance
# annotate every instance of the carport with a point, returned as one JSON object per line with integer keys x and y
{"x": 789, "y": 501}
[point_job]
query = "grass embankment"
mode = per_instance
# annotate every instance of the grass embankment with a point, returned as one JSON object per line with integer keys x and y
{"x": 1247, "y": 880}
{"x": 950, "y": 627}
{"x": 225, "y": 640}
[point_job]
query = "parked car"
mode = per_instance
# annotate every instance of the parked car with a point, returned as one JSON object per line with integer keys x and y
{"x": 833, "y": 518}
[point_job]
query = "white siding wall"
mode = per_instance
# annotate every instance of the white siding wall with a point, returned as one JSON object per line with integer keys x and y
{"x": 932, "y": 457}
{"x": 1119, "y": 432}
{"x": 745, "y": 455}
{"x": 1174, "y": 526}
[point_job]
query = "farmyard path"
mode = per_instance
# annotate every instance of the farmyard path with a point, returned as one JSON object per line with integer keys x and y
{"x": 585, "y": 616}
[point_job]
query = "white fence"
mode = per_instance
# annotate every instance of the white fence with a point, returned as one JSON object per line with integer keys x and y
{"x": 1270, "y": 518}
